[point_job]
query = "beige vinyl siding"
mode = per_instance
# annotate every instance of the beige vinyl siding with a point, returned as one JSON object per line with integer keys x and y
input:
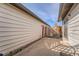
{"x": 17, "y": 28}
{"x": 73, "y": 27}
{"x": 73, "y": 31}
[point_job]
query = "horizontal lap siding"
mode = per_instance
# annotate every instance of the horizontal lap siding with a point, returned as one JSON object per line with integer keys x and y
{"x": 17, "y": 28}
{"x": 73, "y": 27}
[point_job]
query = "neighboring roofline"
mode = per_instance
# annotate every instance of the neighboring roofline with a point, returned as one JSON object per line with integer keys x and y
{"x": 69, "y": 13}
{"x": 20, "y": 6}
{"x": 62, "y": 10}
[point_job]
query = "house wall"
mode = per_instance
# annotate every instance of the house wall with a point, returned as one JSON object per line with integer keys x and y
{"x": 17, "y": 28}
{"x": 71, "y": 33}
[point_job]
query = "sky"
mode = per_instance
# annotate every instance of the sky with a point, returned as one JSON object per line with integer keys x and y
{"x": 48, "y": 12}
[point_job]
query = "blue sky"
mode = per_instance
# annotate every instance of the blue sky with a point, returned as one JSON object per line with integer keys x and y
{"x": 48, "y": 12}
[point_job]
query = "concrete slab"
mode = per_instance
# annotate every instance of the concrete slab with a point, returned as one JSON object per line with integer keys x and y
{"x": 39, "y": 49}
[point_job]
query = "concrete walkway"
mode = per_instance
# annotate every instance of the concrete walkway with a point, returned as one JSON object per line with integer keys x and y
{"x": 39, "y": 48}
